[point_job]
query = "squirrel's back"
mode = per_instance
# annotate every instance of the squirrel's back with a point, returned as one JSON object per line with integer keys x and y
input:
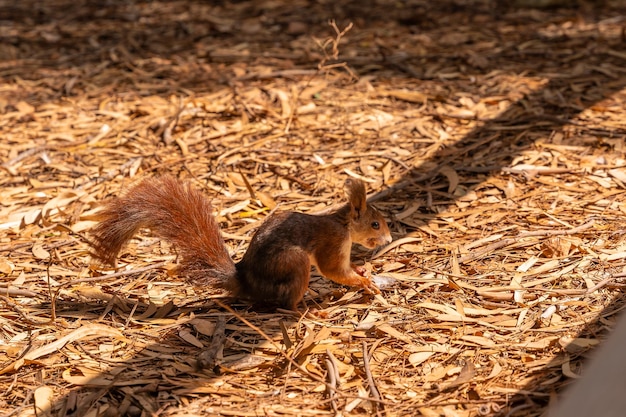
{"x": 176, "y": 212}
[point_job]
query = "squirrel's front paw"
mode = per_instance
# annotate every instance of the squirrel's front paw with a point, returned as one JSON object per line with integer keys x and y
{"x": 365, "y": 277}
{"x": 369, "y": 287}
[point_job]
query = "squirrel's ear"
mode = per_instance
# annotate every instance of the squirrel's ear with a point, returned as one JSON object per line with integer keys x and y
{"x": 357, "y": 198}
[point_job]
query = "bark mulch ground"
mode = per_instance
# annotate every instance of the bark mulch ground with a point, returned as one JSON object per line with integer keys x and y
{"x": 490, "y": 136}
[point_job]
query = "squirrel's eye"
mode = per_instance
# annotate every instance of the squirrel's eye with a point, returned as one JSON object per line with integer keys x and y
{"x": 375, "y": 225}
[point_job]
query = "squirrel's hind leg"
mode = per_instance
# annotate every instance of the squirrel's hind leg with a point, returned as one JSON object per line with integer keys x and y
{"x": 280, "y": 282}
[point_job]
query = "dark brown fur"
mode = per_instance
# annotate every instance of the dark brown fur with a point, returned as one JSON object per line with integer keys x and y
{"x": 275, "y": 269}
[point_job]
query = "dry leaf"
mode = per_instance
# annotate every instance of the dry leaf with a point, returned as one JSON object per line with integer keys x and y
{"x": 24, "y": 108}
{"x": 190, "y": 338}
{"x": 6, "y": 267}
{"x": 452, "y": 176}
{"x": 43, "y": 401}
{"x": 39, "y": 252}
{"x": 85, "y": 332}
{"x": 417, "y": 358}
{"x": 202, "y": 326}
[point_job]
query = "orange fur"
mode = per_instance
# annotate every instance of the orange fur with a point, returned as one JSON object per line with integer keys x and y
{"x": 275, "y": 269}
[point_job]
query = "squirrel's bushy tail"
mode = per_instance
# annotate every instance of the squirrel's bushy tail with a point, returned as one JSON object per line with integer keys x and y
{"x": 175, "y": 212}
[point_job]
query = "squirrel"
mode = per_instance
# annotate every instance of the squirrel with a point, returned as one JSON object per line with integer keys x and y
{"x": 275, "y": 269}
